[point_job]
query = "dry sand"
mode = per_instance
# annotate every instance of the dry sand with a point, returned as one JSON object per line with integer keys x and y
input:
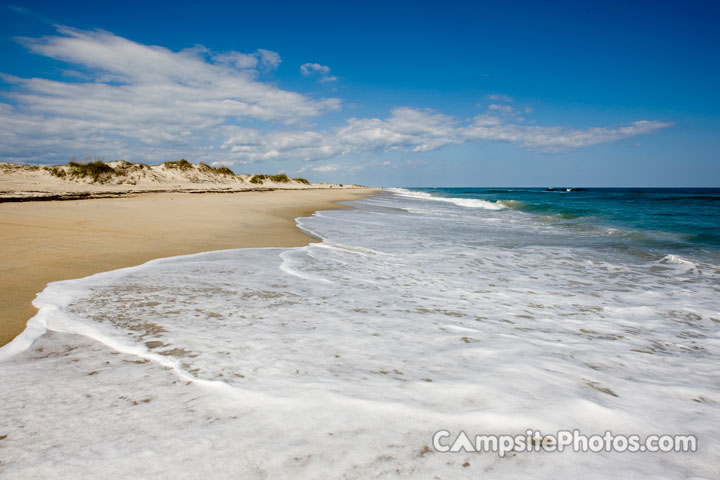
{"x": 45, "y": 241}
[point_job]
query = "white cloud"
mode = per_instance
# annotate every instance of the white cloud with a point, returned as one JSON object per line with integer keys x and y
{"x": 144, "y": 98}
{"x": 406, "y": 129}
{"x": 310, "y": 68}
{"x": 269, "y": 59}
{"x": 238, "y": 59}
{"x": 316, "y": 69}
{"x": 415, "y": 130}
{"x": 499, "y": 97}
{"x": 329, "y": 168}
{"x": 555, "y": 139}
{"x": 326, "y": 168}
{"x": 140, "y": 102}
{"x": 501, "y": 109}
{"x": 332, "y": 168}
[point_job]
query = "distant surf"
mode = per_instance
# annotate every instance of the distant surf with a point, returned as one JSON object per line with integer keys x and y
{"x": 685, "y": 218}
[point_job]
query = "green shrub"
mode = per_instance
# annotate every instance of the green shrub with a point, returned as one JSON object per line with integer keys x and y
{"x": 10, "y": 167}
{"x": 281, "y": 178}
{"x": 204, "y": 167}
{"x": 256, "y": 179}
{"x": 56, "y": 171}
{"x": 225, "y": 171}
{"x": 124, "y": 168}
{"x": 301, "y": 180}
{"x": 98, "y": 170}
{"x": 180, "y": 165}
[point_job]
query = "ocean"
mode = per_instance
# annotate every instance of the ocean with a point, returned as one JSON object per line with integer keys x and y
{"x": 484, "y": 311}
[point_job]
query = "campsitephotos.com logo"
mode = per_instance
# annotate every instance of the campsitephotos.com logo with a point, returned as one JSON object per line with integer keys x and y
{"x": 573, "y": 440}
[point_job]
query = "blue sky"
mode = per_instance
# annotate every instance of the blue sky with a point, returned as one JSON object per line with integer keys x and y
{"x": 381, "y": 93}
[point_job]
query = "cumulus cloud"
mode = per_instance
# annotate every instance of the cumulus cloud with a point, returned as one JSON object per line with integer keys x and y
{"x": 406, "y": 129}
{"x": 142, "y": 102}
{"x": 142, "y": 96}
{"x": 499, "y": 97}
{"x": 422, "y": 130}
{"x": 333, "y": 167}
{"x": 269, "y": 59}
{"x": 265, "y": 59}
{"x": 310, "y": 68}
{"x": 328, "y": 168}
{"x": 322, "y": 71}
{"x": 554, "y": 139}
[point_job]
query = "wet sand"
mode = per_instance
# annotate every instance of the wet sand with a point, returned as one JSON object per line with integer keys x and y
{"x": 47, "y": 241}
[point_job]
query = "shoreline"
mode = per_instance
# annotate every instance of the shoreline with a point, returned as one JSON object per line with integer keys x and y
{"x": 51, "y": 196}
{"x": 46, "y": 241}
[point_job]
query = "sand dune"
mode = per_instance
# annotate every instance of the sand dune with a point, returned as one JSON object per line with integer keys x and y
{"x": 99, "y": 179}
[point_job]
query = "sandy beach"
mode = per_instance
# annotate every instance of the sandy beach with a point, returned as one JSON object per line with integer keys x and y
{"x": 56, "y": 240}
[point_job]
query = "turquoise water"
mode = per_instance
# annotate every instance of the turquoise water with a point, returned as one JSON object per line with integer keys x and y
{"x": 661, "y": 220}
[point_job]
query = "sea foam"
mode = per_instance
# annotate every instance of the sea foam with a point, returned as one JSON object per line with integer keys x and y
{"x": 462, "y": 202}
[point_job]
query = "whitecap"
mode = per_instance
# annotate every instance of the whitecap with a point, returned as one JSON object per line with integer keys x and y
{"x": 461, "y": 202}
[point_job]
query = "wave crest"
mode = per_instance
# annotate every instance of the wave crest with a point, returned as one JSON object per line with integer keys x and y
{"x": 462, "y": 202}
